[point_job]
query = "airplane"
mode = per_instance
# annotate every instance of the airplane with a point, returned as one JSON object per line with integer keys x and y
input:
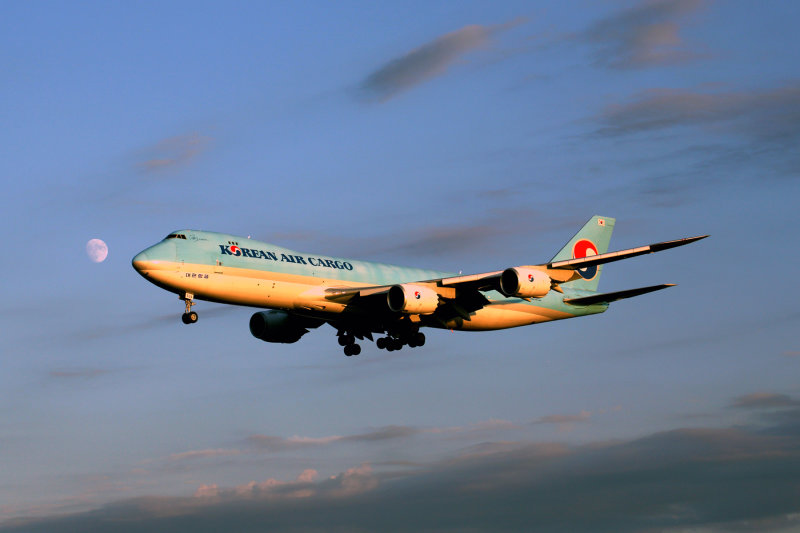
{"x": 302, "y": 291}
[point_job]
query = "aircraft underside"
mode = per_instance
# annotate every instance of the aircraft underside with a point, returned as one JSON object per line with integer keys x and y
{"x": 294, "y": 310}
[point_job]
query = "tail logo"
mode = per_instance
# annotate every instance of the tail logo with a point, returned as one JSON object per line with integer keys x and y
{"x": 585, "y": 248}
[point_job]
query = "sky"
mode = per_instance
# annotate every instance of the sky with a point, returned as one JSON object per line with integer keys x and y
{"x": 460, "y": 136}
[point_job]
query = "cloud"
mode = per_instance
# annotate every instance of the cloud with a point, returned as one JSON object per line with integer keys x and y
{"x": 646, "y": 35}
{"x": 117, "y": 328}
{"x": 768, "y": 115}
{"x": 272, "y": 488}
{"x": 78, "y": 372}
{"x": 443, "y": 239}
{"x": 427, "y": 62}
{"x": 491, "y": 234}
{"x": 173, "y": 152}
{"x": 394, "y": 432}
{"x": 711, "y": 479}
{"x": 564, "y": 423}
{"x": 496, "y": 231}
{"x": 754, "y": 130}
{"x": 259, "y": 443}
{"x": 203, "y": 454}
{"x": 278, "y": 444}
{"x": 763, "y": 400}
{"x": 583, "y": 416}
{"x": 493, "y": 424}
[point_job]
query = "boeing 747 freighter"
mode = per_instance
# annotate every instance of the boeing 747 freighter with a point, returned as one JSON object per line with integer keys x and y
{"x": 361, "y": 299}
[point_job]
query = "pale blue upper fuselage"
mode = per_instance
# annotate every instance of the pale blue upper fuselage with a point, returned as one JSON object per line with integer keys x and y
{"x": 206, "y": 248}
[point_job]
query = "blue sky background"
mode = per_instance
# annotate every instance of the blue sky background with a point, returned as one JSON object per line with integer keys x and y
{"x": 458, "y": 136}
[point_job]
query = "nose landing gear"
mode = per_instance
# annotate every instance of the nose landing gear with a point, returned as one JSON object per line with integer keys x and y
{"x": 189, "y": 316}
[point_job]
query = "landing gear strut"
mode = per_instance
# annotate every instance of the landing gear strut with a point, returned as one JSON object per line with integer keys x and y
{"x": 189, "y": 316}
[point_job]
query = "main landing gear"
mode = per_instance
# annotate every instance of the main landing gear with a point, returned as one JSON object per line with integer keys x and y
{"x": 189, "y": 316}
{"x": 349, "y": 342}
{"x": 391, "y": 344}
{"x": 393, "y": 341}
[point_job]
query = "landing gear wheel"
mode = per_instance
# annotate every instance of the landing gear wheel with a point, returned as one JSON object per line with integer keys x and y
{"x": 381, "y": 343}
{"x": 189, "y": 318}
{"x": 397, "y": 344}
{"x": 346, "y": 340}
{"x": 419, "y": 338}
{"x": 352, "y": 349}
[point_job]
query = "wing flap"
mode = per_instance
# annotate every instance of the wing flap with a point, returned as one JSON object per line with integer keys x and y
{"x": 472, "y": 278}
{"x": 609, "y": 297}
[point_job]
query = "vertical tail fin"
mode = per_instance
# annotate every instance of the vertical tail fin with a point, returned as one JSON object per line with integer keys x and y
{"x": 592, "y": 239}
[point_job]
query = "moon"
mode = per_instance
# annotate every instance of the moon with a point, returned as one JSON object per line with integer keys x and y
{"x": 97, "y": 250}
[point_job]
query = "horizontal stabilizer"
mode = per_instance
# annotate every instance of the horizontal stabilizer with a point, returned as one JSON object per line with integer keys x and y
{"x": 584, "y": 262}
{"x": 614, "y": 296}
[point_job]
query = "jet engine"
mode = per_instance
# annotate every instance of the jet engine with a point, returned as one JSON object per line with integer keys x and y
{"x": 412, "y": 299}
{"x": 524, "y": 282}
{"x": 277, "y": 326}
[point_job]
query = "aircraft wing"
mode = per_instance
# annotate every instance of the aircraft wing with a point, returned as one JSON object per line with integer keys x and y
{"x": 461, "y": 295}
{"x": 610, "y": 257}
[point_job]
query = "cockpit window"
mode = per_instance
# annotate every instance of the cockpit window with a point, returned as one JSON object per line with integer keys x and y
{"x": 175, "y": 236}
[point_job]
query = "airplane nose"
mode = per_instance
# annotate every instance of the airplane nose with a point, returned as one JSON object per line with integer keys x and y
{"x": 139, "y": 260}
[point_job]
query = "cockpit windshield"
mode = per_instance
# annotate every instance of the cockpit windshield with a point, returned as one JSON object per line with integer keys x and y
{"x": 175, "y": 236}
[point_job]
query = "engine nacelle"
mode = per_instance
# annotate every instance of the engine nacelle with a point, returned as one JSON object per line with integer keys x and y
{"x": 412, "y": 299}
{"x": 524, "y": 282}
{"x": 276, "y": 326}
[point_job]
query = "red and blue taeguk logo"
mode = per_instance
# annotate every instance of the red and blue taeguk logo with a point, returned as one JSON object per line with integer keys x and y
{"x": 585, "y": 248}
{"x": 235, "y": 250}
